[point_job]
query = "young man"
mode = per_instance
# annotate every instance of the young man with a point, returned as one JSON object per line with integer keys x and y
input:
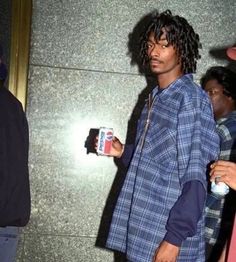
{"x": 159, "y": 212}
{"x": 219, "y": 82}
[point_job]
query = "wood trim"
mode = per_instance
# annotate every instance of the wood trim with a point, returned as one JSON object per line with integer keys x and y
{"x": 20, "y": 47}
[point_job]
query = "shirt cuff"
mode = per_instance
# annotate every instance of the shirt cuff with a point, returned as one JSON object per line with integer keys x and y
{"x": 173, "y": 239}
{"x": 185, "y": 213}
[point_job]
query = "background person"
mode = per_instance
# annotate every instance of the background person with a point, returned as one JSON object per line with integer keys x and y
{"x": 220, "y": 82}
{"x": 225, "y": 171}
{"x": 14, "y": 176}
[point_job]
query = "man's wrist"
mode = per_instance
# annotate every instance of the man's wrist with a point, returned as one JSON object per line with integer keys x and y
{"x": 173, "y": 239}
{"x": 122, "y": 151}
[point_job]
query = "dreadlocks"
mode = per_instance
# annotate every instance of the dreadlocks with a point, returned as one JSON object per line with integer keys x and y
{"x": 179, "y": 33}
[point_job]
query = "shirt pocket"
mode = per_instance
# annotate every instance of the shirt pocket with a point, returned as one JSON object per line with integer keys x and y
{"x": 160, "y": 145}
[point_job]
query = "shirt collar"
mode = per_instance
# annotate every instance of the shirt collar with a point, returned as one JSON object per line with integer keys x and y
{"x": 222, "y": 119}
{"x": 174, "y": 86}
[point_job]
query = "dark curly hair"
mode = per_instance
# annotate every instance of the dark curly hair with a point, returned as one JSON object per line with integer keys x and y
{"x": 179, "y": 33}
{"x": 224, "y": 76}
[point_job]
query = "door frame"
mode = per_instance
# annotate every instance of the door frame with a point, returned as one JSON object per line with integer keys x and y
{"x": 20, "y": 48}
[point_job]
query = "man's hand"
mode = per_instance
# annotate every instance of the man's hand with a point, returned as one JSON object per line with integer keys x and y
{"x": 117, "y": 148}
{"x": 166, "y": 252}
{"x": 225, "y": 171}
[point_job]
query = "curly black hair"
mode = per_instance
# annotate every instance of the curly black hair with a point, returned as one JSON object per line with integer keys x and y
{"x": 179, "y": 33}
{"x": 224, "y": 76}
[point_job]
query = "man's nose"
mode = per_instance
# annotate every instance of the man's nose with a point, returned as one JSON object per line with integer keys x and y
{"x": 155, "y": 51}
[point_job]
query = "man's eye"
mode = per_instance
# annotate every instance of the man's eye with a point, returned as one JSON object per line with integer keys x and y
{"x": 211, "y": 92}
{"x": 165, "y": 46}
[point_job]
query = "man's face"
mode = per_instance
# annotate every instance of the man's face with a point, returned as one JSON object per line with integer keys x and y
{"x": 219, "y": 100}
{"x": 162, "y": 56}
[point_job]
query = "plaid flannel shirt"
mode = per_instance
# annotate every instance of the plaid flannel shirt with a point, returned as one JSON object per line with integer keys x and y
{"x": 175, "y": 148}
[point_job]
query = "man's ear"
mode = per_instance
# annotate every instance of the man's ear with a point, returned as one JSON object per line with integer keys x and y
{"x": 179, "y": 59}
{"x": 232, "y": 100}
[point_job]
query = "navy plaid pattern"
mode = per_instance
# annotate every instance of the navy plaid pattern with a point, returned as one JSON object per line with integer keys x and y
{"x": 179, "y": 143}
{"x": 226, "y": 128}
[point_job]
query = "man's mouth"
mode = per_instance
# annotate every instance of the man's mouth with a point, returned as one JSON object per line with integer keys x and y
{"x": 155, "y": 62}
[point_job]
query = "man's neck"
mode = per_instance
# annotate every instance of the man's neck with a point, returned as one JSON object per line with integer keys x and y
{"x": 164, "y": 80}
{"x": 226, "y": 112}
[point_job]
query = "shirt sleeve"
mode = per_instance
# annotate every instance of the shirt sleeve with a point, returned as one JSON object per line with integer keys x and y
{"x": 197, "y": 141}
{"x": 226, "y": 133}
{"x": 185, "y": 214}
{"x": 127, "y": 154}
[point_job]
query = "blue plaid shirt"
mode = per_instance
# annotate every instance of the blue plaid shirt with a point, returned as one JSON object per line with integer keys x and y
{"x": 226, "y": 128}
{"x": 174, "y": 148}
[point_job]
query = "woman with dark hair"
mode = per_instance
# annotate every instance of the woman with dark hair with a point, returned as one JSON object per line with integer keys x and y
{"x": 220, "y": 82}
{"x": 225, "y": 171}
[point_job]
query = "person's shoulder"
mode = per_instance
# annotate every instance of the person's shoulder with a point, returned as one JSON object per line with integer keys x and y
{"x": 191, "y": 90}
{"x": 227, "y": 129}
{"x": 229, "y": 121}
{"x": 9, "y": 103}
{"x": 6, "y": 97}
{"x": 190, "y": 86}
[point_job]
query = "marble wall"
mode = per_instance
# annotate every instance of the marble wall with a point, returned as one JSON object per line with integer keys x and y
{"x": 80, "y": 78}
